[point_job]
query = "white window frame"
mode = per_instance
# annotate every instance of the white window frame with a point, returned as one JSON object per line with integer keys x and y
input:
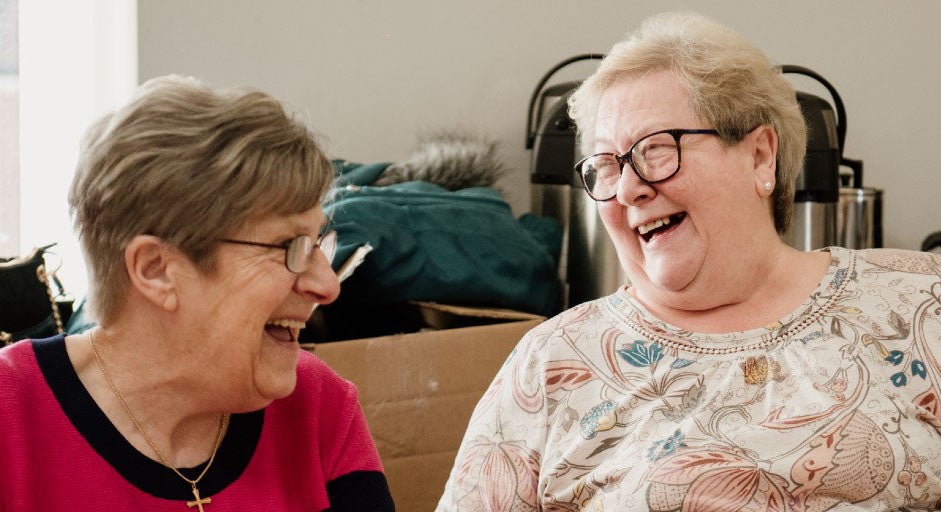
{"x": 78, "y": 60}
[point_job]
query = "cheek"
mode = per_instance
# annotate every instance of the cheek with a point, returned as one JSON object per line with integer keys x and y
{"x": 260, "y": 277}
{"x": 268, "y": 294}
{"x": 248, "y": 303}
{"x": 612, "y": 215}
{"x": 614, "y": 218}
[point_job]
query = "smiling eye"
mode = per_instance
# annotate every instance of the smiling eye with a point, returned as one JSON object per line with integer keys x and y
{"x": 662, "y": 145}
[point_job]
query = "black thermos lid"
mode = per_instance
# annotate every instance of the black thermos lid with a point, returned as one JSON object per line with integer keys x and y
{"x": 819, "y": 180}
{"x": 554, "y": 146}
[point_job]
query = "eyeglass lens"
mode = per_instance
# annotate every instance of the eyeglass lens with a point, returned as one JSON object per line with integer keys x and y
{"x": 654, "y": 158}
{"x": 328, "y": 244}
{"x": 302, "y": 248}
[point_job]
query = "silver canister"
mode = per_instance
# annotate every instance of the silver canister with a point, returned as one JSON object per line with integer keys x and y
{"x": 594, "y": 269}
{"x": 813, "y": 226}
{"x": 859, "y": 218}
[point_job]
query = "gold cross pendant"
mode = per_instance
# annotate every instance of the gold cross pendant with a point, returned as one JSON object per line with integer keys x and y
{"x": 198, "y": 502}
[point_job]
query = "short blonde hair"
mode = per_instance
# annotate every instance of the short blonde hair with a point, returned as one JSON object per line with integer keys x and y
{"x": 732, "y": 85}
{"x": 189, "y": 164}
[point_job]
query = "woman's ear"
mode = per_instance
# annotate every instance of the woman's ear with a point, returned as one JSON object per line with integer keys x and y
{"x": 765, "y": 154}
{"x": 148, "y": 261}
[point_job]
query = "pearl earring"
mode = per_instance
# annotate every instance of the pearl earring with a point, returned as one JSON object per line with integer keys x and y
{"x": 768, "y": 186}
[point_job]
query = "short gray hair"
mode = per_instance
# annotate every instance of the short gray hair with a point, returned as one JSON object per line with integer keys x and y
{"x": 189, "y": 164}
{"x": 732, "y": 85}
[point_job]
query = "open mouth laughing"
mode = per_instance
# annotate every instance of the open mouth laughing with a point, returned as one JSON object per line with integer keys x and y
{"x": 659, "y": 226}
{"x": 284, "y": 329}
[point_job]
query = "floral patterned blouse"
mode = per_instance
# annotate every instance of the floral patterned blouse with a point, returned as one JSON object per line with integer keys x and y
{"x": 834, "y": 407}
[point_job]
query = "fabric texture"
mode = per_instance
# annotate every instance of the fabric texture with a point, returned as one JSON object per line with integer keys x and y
{"x": 433, "y": 244}
{"x": 60, "y": 455}
{"x": 834, "y": 407}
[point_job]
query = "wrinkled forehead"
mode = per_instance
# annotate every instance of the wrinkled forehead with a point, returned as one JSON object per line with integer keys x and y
{"x": 634, "y": 107}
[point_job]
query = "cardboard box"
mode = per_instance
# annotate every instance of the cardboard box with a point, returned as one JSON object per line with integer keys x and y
{"x": 418, "y": 390}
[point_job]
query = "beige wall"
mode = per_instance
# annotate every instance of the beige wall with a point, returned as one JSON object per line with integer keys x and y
{"x": 372, "y": 74}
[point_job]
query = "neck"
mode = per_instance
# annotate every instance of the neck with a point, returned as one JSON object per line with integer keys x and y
{"x": 159, "y": 405}
{"x": 754, "y": 292}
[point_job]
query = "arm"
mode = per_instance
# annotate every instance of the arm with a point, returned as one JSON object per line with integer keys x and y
{"x": 356, "y": 482}
{"x": 499, "y": 461}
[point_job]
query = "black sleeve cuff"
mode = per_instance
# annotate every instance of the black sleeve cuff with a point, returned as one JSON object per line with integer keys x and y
{"x": 360, "y": 491}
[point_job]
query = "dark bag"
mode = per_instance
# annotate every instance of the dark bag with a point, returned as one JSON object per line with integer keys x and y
{"x": 29, "y": 308}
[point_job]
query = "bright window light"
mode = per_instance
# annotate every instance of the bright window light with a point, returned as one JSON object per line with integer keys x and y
{"x": 78, "y": 60}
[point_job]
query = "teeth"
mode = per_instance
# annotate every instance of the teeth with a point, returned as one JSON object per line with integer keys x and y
{"x": 646, "y": 228}
{"x": 283, "y": 322}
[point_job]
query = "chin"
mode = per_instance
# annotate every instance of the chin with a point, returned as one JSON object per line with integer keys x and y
{"x": 285, "y": 391}
{"x": 663, "y": 276}
{"x": 670, "y": 282}
{"x": 277, "y": 388}
{"x": 278, "y": 377}
{"x": 674, "y": 271}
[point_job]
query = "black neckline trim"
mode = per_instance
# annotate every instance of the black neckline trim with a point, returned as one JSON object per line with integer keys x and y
{"x": 146, "y": 474}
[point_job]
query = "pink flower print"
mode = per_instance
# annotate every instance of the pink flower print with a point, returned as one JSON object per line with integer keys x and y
{"x": 836, "y": 386}
{"x": 567, "y": 375}
{"x": 913, "y": 479}
{"x": 497, "y": 476}
{"x": 930, "y": 406}
{"x": 714, "y": 479}
{"x": 850, "y": 461}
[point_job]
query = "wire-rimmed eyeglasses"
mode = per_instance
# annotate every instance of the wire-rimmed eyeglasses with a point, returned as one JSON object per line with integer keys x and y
{"x": 299, "y": 250}
{"x": 655, "y": 157}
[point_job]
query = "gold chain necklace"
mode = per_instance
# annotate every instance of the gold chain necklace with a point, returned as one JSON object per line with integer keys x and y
{"x": 223, "y": 423}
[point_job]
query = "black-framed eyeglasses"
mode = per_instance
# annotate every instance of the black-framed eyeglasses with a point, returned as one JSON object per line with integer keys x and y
{"x": 299, "y": 250}
{"x": 655, "y": 157}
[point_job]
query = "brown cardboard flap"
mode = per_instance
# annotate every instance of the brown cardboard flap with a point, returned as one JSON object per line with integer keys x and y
{"x": 445, "y": 316}
{"x": 418, "y": 391}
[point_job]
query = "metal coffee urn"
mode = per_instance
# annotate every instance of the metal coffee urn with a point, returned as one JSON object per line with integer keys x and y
{"x": 815, "y": 218}
{"x": 589, "y": 266}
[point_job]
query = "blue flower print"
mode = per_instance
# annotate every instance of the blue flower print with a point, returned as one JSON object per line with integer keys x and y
{"x": 899, "y": 379}
{"x": 665, "y": 447}
{"x": 838, "y": 278}
{"x": 599, "y": 418}
{"x": 639, "y": 354}
{"x": 810, "y": 337}
{"x": 895, "y": 357}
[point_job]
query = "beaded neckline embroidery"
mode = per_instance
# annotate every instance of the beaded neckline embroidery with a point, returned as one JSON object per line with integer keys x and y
{"x": 625, "y": 308}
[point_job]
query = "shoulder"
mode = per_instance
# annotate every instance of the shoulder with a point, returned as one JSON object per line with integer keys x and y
{"x": 899, "y": 292}
{"x": 309, "y": 365}
{"x": 320, "y": 395}
{"x": 587, "y": 317}
{"x": 21, "y": 382}
{"x": 315, "y": 379}
{"x": 554, "y": 341}
{"x": 322, "y": 400}
{"x": 17, "y": 361}
{"x": 899, "y": 260}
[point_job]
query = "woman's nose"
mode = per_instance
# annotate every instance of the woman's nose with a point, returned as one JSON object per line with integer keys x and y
{"x": 632, "y": 190}
{"x": 318, "y": 281}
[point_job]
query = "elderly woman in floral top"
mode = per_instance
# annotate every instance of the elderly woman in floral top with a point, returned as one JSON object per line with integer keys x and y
{"x": 733, "y": 372}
